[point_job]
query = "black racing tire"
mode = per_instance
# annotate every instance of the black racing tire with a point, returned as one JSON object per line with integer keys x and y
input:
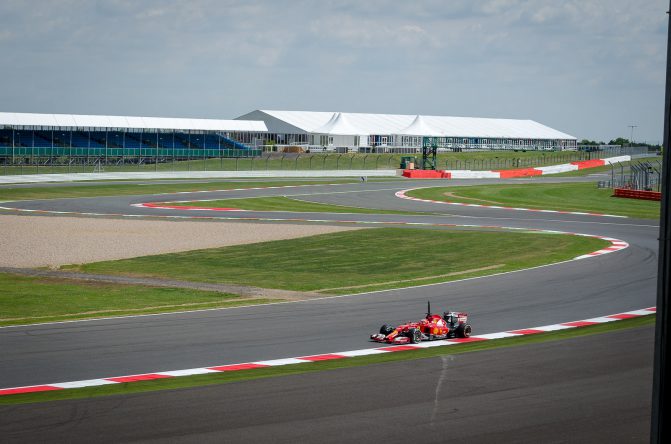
{"x": 415, "y": 335}
{"x": 464, "y": 331}
{"x": 386, "y": 329}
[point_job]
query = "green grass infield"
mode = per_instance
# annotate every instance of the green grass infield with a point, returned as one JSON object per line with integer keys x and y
{"x": 146, "y": 187}
{"x": 358, "y": 261}
{"x": 580, "y": 196}
{"x": 283, "y": 203}
{"x": 269, "y": 372}
{"x": 31, "y": 300}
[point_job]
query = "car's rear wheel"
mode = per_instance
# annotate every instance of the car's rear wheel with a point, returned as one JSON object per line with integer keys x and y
{"x": 415, "y": 335}
{"x": 464, "y": 331}
{"x": 386, "y": 329}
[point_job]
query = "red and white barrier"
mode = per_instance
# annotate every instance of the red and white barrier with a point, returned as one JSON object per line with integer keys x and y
{"x": 514, "y": 173}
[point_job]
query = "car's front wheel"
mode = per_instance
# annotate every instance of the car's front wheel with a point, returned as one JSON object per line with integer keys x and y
{"x": 386, "y": 329}
{"x": 415, "y": 335}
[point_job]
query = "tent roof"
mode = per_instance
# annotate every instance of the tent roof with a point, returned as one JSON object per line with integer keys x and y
{"x": 338, "y": 125}
{"x": 382, "y": 124}
{"x": 419, "y": 127}
{"x": 87, "y": 121}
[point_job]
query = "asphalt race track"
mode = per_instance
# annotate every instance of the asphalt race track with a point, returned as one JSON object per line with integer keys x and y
{"x": 617, "y": 282}
{"x": 584, "y": 393}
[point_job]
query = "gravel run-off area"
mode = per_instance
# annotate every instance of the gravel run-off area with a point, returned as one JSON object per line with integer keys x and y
{"x": 41, "y": 241}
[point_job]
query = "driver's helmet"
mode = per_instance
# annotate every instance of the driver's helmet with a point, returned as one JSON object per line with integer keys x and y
{"x": 450, "y": 317}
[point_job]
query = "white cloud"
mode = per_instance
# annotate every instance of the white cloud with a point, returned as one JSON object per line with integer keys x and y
{"x": 498, "y": 57}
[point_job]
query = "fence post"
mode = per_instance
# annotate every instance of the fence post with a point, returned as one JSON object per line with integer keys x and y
{"x": 296, "y": 163}
{"x": 324, "y": 162}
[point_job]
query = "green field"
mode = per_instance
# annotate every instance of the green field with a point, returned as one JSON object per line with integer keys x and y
{"x": 103, "y": 189}
{"x": 358, "y": 261}
{"x": 283, "y": 204}
{"x": 583, "y": 197}
{"x": 28, "y": 300}
{"x": 330, "y": 365}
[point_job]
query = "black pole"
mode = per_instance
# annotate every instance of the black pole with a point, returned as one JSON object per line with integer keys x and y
{"x": 660, "y": 390}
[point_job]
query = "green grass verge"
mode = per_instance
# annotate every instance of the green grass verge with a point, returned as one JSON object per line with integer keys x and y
{"x": 29, "y": 300}
{"x": 584, "y": 196}
{"x": 247, "y": 375}
{"x": 356, "y": 261}
{"x": 95, "y": 190}
{"x": 284, "y": 204}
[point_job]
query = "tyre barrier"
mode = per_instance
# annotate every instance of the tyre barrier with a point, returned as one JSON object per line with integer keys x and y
{"x": 637, "y": 194}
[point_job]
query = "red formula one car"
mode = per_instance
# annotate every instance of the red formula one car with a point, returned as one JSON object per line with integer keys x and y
{"x": 433, "y": 326}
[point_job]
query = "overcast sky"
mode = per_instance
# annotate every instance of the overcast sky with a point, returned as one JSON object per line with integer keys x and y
{"x": 586, "y": 67}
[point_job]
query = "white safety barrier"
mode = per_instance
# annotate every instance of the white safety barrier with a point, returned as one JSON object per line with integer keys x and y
{"x": 469, "y": 174}
{"x": 555, "y": 169}
{"x": 611, "y": 160}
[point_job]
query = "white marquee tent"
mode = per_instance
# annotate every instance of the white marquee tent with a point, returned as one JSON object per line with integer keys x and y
{"x": 339, "y": 125}
{"x": 419, "y": 127}
{"x": 314, "y": 122}
{"x": 88, "y": 121}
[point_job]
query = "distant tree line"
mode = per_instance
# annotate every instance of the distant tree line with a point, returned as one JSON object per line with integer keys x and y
{"x": 619, "y": 141}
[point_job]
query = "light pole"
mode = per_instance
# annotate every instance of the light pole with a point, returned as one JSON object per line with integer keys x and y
{"x": 631, "y": 136}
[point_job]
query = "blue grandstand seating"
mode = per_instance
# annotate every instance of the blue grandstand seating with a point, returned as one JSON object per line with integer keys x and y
{"x": 23, "y": 138}
{"x": 60, "y": 142}
{"x": 115, "y": 139}
{"x": 132, "y": 140}
{"x": 5, "y": 137}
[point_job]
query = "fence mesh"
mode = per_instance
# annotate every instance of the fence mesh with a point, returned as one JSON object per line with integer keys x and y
{"x": 644, "y": 175}
{"x": 46, "y": 162}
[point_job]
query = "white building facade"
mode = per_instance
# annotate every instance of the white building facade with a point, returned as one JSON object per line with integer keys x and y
{"x": 395, "y": 132}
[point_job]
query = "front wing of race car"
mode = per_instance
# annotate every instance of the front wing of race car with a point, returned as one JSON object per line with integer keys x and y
{"x": 379, "y": 337}
{"x": 399, "y": 339}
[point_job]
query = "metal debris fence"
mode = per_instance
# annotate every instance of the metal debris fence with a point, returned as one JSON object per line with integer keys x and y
{"x": 39, "y": 162}
{"x": 645, "y": 175}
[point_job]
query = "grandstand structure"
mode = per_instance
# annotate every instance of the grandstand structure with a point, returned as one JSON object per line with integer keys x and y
{"x": 27, "y": 138}
{"x": 366, "y": 132}
{"x": 56, "y": 140}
